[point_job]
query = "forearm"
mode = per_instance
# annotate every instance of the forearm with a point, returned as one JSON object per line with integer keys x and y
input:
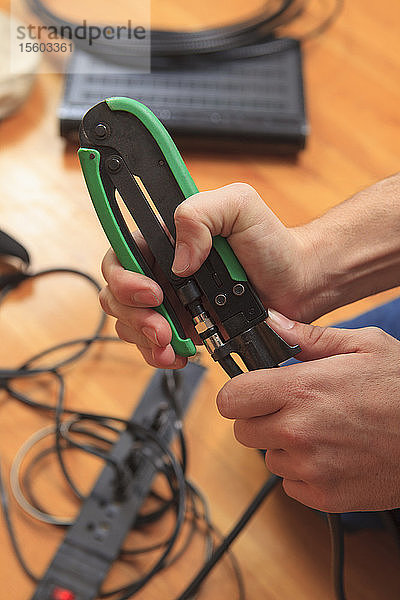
{"x": 357, "y": 247}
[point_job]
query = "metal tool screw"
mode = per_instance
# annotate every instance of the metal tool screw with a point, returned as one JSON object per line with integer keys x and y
{"x": 238, "y": 289}
{"x": 101, "y": 130}
{"x": 113, "y": 164}
{"x": 220, "y": 299}
{"x": 92, "y": 156}
{"x": 161, "y": 162}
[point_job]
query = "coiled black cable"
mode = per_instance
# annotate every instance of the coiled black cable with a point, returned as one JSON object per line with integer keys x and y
{"x": 227, "y": 42}
{"x": 181, "y": 43}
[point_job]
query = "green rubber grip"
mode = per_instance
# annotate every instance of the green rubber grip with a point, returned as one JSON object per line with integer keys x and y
{"x": 179, "y": 169}
{"x": 90, "y": 163}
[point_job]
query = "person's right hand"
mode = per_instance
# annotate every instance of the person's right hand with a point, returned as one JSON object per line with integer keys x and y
{"x": 279, "y": 261}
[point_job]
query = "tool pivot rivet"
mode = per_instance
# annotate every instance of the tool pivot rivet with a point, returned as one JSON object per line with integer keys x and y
{"x": 101, "y": 130}
{"x": 114, "y": 164}
{"x": 220, "y": 299}
{"x": 238, "y": 289}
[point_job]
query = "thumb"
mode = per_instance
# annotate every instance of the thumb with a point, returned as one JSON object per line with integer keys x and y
{"x": 320, "y": 342}
{"x": 227, "y": 211}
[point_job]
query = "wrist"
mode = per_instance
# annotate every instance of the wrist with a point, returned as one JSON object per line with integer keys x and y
{"x": 321, "y": 291}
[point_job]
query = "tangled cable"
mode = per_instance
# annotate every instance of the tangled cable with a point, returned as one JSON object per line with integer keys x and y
{"x": 95, "y": 434}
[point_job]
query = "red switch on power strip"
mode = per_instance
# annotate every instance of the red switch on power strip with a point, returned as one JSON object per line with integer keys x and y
{"x": 62, "y": 594}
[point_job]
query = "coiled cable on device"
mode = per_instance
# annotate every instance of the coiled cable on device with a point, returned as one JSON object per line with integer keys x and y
{"x": 254, "y": 31}
{"x": 180, "y": 43}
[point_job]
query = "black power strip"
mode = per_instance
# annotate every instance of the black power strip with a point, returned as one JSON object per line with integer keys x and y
{"x": 93, "y": 543}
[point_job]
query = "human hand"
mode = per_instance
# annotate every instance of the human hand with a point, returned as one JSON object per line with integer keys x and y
{"x": 279, "y": 261}
{"x": 331, "y": 424}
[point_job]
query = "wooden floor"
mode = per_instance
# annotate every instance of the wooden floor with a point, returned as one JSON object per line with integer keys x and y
{"x": 353, "y": 103}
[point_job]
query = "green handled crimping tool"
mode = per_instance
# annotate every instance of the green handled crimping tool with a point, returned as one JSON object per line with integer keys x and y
{"x": 125, "y": 149}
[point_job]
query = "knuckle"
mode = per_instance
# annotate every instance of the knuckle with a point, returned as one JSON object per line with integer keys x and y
{"x": 225, "y": 403}
{"x": 297, "y": 435}
{"x": 186, "y": 212}
{"x": 310, "y": 472}
{"x": 244, "y": 192}
{"x": 104, "y": 300}
{"x": 241, "y": 432}
{"x": 121, "y": 330}
{"x": 271, "y": 463}
{"x": 123, "y": 284}
{"x": 292, "y": 435}
{"x": 319, "y": 498}
{"x": 324, "y": 499}
{"x": 289, "y": 434}
{"x": 374, "y": 336}
{"x": 148, "y": 356}
{"x": 105, "y": 264}
{"x": 245, "y": 433}
{"x": 302, "y": 390}
{"x": 313, "y": 335}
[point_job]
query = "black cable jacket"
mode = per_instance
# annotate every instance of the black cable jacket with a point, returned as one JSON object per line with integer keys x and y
{"x": 212, "y": 529}
{"x": 59, "y": 451}
{"x": 11, "y": 532}
{"x": 223, "y": 547}
{"x": 337, "y": 553}
{"x": 92, "y": 434}
{"x": 26, "y": 478}
{"x": 132, "y": 588}
{"x": 178, "y": 43}
{"x": 23, "y": 369}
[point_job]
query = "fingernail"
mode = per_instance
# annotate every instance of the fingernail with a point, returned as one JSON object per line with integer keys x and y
{"x": 159, "y": 356}
{"x": 276, "y": 318}
{"x": 146, "y": 297}
{"x": 151, "y": 335}
{"x": 182, "y": 258}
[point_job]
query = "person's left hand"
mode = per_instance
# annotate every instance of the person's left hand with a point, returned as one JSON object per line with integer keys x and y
{"x": 331, "y": 425}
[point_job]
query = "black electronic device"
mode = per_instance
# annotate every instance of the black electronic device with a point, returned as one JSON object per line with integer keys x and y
{"x": 250, "y": 97}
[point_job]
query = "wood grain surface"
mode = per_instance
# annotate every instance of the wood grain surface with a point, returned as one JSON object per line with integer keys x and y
{"x": 353, "y": 98}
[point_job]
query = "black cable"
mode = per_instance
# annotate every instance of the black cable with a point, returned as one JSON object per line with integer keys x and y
{"x": 167, "y": 47}
{"x": 325, "y": 24}
{"x": 11, "y": 532}
{"x": 26, "y": 478}
{"x": 24, "y": 370}
{"x": 27, "y": 475}
{"x": 177, "y": 43}
{"x": 130, "y": 589}
{"x": 57, "y": 416}
{"x": 173, "y": 389}
{"x": 212, "y": 529}
{"x": 228, "y": 540}
{"x": 337, "y": 553}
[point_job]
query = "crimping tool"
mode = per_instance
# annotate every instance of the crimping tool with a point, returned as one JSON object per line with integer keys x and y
{"x": 125, "y": 149}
